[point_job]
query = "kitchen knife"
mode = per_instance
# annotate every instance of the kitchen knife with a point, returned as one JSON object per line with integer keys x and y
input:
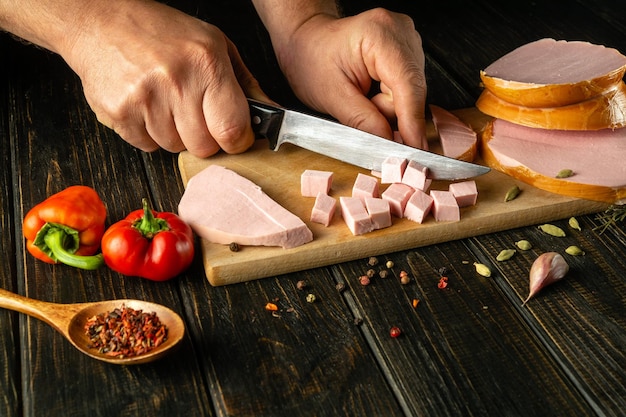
{"x": 347, "y": 144}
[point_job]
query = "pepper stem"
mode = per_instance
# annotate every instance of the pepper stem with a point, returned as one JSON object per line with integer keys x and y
{"x": 61, "y": 246}
{"x": 150, "y": 225}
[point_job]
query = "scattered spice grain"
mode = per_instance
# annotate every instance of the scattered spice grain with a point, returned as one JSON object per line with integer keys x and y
{"x": 482, "y": 269}
{"x": 364, "y": 280}
{"x": 370, "y": 273}
{"x": 311, "y": 298}
{"x": 271, "y": 307}
{"x": 512, "y": 193}
{"x": 372, "y": 261}
{"x": 552, "y": 230}
{"x": 383, "y": 274}
{"x": 301, "y": 285}
{"x": 415, "y": 302}
{"x": 125, "y": 332}
{"x": 340, "y": 287}
{"x": 573, "y": 223}
{"x": 234, "y": 247}
{"x": 389, "y": 264}
{"x": 395, "y": 332}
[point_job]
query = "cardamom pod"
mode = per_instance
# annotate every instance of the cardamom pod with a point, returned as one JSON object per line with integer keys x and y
{"x": 482, "y": 269}
{"x": 552, "y": 230}
{"x": 512, "y": 193}
{"x": 505, "y": 255}
{"x": 524, "y": 245}
{"x": 565, "y": 173}
{"x": 574, "y": 251}
{"x": 573, "y": 223}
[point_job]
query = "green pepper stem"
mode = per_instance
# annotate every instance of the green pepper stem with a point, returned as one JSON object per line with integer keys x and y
{"x": 150, "y": 225}
{"x": 55, "y": 241}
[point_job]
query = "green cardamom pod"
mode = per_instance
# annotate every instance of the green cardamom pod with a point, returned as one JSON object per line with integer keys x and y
{"x": 552, "y": 230}
{"x": 573, "y": 223}
{"x": 505, "y": 254}
{"x": 482, "y": 269}
{"x": 565, "y": 173}
{"x": 524, "y": 245}
{"x": 574, "y": 251}
{"x": 512, "y": 193}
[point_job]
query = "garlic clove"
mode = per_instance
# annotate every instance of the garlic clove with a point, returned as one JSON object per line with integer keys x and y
{"x": 547, "y": 269}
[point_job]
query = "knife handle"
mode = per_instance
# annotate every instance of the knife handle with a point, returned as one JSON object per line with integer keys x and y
{"x": 266, "y": 120}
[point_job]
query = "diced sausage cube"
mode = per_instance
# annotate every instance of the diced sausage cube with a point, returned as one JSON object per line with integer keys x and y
{"x": 397, "y": 194}
{"x": 465, "y": 192}
{"x": 365, "y": 186}
{"x": 355, "y": 215}
{"x": 445, "y": 208}
{"x": 323, "y": 209}
{"x": 415, "y": 175}
{"x": 313, "y": 182}
{"x": 392, "y": 170}
{"x": 379, "y": 212}
{"x": 418, "y": 206}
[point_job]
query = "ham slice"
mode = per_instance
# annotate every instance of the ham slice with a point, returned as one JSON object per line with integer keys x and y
{"x": 224, "y": 207}
{"x": 551, "y": 73}
{"x": 458, "y": 140}
{"x": 535, "y": 156}
{"x": 606, "y": 111}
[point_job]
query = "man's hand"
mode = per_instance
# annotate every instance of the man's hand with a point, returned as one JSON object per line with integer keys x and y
{"x": 161, "y": 78}
{"x": 331, "y": 64}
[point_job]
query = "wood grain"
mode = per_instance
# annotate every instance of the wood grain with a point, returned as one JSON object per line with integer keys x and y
{"x": 278, "y": 174}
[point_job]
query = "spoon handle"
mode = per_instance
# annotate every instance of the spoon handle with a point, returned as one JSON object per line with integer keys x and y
{"x": 56, "y": 315}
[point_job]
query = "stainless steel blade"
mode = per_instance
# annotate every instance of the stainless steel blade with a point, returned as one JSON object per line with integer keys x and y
{"x": 363, "y": 149}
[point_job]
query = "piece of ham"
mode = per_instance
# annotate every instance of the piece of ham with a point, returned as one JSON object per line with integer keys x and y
{"x": 355, "y": 215}
{"x": 392, "y": 169}
{"x": 397, "y": 194}
{"x": 458, "y": 140}
{"x": 535, "y": 156}
{"x": 379, "y": 212}
{"x": 365, "y": 186}
{"x": 416, "y": 176}
{"x": 323, "y": 209}
{"x": 418, "y": 206}
{"x": 465, "y": 192}
{"x": 223, "y": 207}
{"x": 551, "y": 73}
{"x": 314, "y": 181}
{"x": 445, "y": 208}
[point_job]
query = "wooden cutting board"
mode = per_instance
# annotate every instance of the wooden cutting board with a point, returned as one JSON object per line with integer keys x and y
{"x": 278, "y": 174}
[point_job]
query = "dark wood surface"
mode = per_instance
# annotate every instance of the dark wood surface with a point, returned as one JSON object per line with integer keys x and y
{"x": 470, "y": 349}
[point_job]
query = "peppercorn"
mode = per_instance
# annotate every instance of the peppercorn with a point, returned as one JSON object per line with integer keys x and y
{"x": 370, "y": 273}
{"x": 311, "y": 298}
{"x": 395, "y": 332}
{"x": 301, "y": 284}
{"x": 234, "y": 247}
{"x": 373, "y": 261}
{"x": 404, "y": 278}
{"x": 383, "y": 274}
{"x": 389, "y": 264}
{"x": 364, "y": 280}
{"x": 340, "y": 287}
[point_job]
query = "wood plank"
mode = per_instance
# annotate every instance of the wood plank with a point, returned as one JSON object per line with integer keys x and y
{"x": 463, "y": 349}
{"x": 9, "y": 347}
{"x": 51, "y": 126}
{"x": 581, "y": 319}
{"x": 278, "y": 174}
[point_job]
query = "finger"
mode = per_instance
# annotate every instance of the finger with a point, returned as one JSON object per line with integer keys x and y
{"x": 130, "y": 128}
{"x": 356, "y": 110}
{"x": 161, "y": 127}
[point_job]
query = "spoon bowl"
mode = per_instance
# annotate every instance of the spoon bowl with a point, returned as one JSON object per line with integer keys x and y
{"x": 70, "y": 320}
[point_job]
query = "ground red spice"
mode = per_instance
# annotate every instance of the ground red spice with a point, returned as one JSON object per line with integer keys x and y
{"x": 125, "y": 332}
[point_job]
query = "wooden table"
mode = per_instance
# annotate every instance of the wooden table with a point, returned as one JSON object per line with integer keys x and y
{"x": 468, "y": 350}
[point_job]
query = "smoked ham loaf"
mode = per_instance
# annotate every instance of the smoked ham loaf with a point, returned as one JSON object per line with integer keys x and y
{"x": 557, "y": 106}
{"x": 551, "y": 73}
{"x": 535, "y": 156}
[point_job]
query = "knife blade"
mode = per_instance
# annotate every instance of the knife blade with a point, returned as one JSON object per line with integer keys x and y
{"x": 356, "y": 147}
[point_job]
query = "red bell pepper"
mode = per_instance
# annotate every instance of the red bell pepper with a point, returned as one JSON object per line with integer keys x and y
{"x": 149, "y": 244}
{"x": 67, "y": 228}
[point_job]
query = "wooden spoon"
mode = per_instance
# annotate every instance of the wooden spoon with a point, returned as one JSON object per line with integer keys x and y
{"x": 70, "y": 319}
